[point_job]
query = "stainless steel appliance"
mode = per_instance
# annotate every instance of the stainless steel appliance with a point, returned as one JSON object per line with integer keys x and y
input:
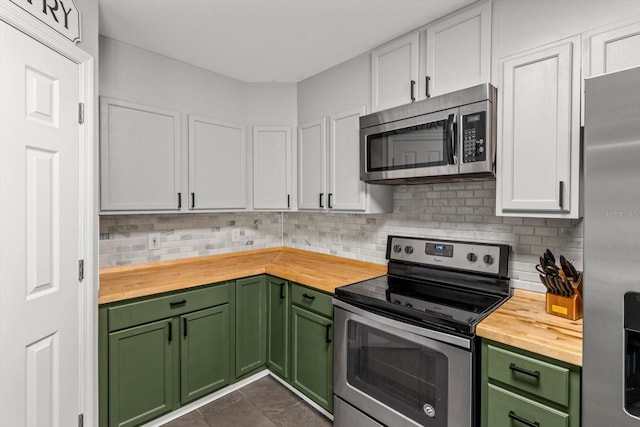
{"x": 442, "y": 138}
{"x": 405, "y": 346}
{"x": 611, "y": 359}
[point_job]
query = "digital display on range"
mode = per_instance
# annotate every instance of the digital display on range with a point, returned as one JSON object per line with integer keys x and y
{"x": 439, "y": 249}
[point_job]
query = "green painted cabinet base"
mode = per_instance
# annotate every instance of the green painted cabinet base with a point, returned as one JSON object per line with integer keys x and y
{"x": 523, "y": 388}
{"x": 278, "y": 326}
{"x": 251, "y": 325}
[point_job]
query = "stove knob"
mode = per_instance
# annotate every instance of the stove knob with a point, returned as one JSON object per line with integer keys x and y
{"x": 408, "y": 305}
{"x": 408, "y": 249}
{"x": 488, "y": 259}
{"x": 472, "y": 257}
{"x": 397, "y": 248}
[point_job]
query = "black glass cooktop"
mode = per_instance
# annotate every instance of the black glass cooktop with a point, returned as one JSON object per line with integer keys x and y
{"x": 422, "y": 302}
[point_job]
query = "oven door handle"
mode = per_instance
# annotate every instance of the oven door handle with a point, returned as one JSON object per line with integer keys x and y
{"x": 450, "y": 140}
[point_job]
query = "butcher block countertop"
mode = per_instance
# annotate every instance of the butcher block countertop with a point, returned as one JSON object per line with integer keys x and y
{"x": 320, "y": 271}
{"x": 523, "y": 323}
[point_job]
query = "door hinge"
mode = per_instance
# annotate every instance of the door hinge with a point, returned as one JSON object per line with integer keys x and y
{"x": 81, "y": 270}
{"x": 81, "y": 113}
{"x": 81, "y": 420}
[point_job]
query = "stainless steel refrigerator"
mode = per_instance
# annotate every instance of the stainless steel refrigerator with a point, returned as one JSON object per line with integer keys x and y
{"x": 611, "y": 365}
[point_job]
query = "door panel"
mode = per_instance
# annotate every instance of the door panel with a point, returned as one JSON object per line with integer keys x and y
{"x": 312, "y": 161}
{"x": 40, "y": 224}
{"x": 278, "y": 326}
{"x": 251, "y": 324}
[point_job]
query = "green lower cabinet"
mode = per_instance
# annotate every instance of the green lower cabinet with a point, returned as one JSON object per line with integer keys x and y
{"x": 140, "y": 373}
{"x": 204, "y": 352}
{"x": 251, "y": 325}
{"x": 524, "y": 388}
{"x": 312, "y": 355}
{"x": 278, "y": 326}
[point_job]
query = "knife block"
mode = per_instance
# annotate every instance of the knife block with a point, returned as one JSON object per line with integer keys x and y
{"x": 567, "y": 307}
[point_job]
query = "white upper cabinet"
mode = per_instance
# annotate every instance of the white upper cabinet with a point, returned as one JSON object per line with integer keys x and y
{"x": 538, "y": 162}
{"x": 139, "y": 157}
{"x": 612, "y": 48}
{"x": 457, "y": 52}
{"x": 312, "y": 165}
{"x": 346, "y": 191}
{"x": 394, "y": 73}
{"x": 217, "y": 165}
{"x": 272, "y": 167}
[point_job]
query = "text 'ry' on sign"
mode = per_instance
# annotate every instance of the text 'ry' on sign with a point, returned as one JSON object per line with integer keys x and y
{"x": 61, "y": 15}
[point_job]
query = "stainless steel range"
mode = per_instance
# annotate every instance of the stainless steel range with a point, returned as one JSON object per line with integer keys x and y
{"x": 405, "y": 347}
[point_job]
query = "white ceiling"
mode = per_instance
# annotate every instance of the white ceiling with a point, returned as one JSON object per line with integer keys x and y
{"x": 265, "y": 40}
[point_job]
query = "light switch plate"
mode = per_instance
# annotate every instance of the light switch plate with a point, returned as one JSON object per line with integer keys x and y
{"x": 153, "y": 241}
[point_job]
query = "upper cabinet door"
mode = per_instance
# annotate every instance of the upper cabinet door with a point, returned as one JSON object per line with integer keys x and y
{"x": 538, "y": 167}
{"x": 312, "y": 161}
{"x": 271, "y": 167}
{"x": 458, "y": 51}
{"x": 217, "y": 165}
{"x": 139, "y": 157}
{"x": 394, "y": 73}
{"x": 613, "y": 48}
{"x": 346, "y": 191}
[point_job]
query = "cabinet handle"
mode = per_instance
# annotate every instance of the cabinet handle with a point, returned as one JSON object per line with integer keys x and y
{"x": 184, "y": 326}
{"x": 311, "y": 297}
{"x": 561, "y": 194}
{"x": 321, "y": 203}
{"x": 534, "y": 374}
{"x": 288, "y": 200}
{"x": 329, "y": 200}
{"x": 281, "y": 290}
{"x": 179, "y": 200}
{"x": 413, "y": 90}
{"x": 193, "y": 200}
{"x": 170, "y": 331}
{"x": 327, "y": 336}
{"x": 427, "y": 79}
{"x": 177, "y": 304}
{"x": 524, "y": 421}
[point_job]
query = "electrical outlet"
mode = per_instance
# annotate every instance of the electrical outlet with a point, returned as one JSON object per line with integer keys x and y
{"x": 153, "y": 241}
{"x": 235, "y": 235}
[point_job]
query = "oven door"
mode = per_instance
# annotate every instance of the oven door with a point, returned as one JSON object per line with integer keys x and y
{"x": 419, "y": 146}
{"x": 397, "y": 375}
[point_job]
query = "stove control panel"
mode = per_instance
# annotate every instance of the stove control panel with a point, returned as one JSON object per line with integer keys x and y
{"x": 462, "y": 255}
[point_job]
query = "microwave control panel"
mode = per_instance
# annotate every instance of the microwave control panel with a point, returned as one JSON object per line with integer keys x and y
{"x": 474, "y": 146}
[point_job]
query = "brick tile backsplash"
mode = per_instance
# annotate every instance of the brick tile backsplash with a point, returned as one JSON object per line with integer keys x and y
{"x": 460, "y": 210}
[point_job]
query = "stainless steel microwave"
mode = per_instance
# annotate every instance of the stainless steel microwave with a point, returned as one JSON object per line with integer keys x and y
{"x": 449, "y": 137}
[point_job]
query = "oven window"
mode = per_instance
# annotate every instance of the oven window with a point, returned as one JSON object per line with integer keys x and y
{"x": 408, "y": 148}
{"x": 402, "y": 374}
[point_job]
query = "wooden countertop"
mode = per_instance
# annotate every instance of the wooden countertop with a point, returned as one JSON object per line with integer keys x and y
{"x": 523, "y": 323}
{"x": 324, "y": 272}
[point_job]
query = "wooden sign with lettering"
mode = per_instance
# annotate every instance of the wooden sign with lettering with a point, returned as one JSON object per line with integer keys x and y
{"x": 61, "y": 15}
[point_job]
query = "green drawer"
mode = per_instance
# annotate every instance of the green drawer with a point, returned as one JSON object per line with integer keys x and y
{"x": 150, "y": 309}
{"x": 506, "y": 409}
{"x": 528, "y": 374}
{"x": 313, "y": 300}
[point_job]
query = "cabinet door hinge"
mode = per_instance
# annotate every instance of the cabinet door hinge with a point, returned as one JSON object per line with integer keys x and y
{"x": 81, "y": 113}
{"x": 81, "y": 270}
{"x": 81, "y": 420}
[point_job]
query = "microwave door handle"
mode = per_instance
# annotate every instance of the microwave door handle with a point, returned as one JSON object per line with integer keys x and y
{"x": 451, "y": 140}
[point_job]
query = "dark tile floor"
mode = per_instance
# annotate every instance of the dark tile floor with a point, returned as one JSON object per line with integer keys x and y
{"x": 263, "y": 403}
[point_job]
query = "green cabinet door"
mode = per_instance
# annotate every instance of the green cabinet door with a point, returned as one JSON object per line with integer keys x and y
{"x": 251, "y": 325}
{"x": 312, "y": 355}
{"x": 278, "y": 326}
{"x": 204, "y": 352}
{"x": 140, "y": 372}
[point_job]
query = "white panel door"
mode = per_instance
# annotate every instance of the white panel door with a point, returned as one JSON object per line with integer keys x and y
{"x": 217, "y": 165}
{"x": 614, "y": 49}
{"x": 538, "y": 162}
{"x": 40, "y": 309}
{"x": 346, "y": 190}
{"x": 458, "y": 51}
{"x": 394, "y": 73}
{"x": 271, "y": 167}
{"x": 139, "y": 157}
{"x": 312, "y": 165}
